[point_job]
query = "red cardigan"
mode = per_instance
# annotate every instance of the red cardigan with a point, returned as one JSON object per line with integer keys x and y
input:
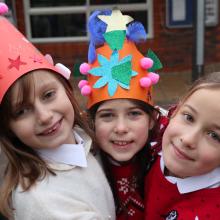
{"x": 163, "y": 200}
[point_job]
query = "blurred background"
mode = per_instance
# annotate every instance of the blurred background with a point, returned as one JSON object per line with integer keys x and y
{"x": 184, "y": 34}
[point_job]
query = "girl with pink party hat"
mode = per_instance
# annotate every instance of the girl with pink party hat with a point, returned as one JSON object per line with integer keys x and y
{"x": 51, "y": 173}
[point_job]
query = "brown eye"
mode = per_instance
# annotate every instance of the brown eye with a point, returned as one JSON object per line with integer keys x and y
{"x": 21, "y": 111}
{"x": 135, "y": 113}
{"x": 188, "y": 117}
{"x": 49, "y": 94}
{"x": 214, "y": 136}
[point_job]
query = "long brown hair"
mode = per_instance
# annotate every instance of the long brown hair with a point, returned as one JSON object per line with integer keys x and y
{"x": 143, "y": 156}
{"x": 24, "y": 165}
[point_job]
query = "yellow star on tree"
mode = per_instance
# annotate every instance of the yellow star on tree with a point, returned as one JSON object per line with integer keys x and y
{"x": 115, "y": 21}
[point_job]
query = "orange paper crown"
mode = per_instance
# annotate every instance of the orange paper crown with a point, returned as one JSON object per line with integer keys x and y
{"x": 117, "y": 69}
{"x": 18, "y": 56}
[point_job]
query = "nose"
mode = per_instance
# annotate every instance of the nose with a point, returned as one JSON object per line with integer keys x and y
{"x": 43, "y": 114}
{"x": 190, "y": 138}
{"x": 121, "y": 126}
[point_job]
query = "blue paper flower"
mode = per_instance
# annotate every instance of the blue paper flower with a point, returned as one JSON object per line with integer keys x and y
{"x": 113, "y": 72}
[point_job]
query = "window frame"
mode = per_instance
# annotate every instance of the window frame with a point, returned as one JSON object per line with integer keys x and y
{"x": 87, "y": 8}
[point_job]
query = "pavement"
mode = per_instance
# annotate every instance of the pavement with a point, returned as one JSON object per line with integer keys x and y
{"x": 169, "y": 89}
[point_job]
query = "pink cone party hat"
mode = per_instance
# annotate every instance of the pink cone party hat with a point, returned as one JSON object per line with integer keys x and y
{"x": 18, "y": 56}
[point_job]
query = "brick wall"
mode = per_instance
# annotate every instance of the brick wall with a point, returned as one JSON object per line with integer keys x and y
{"x": 173, "y": 46}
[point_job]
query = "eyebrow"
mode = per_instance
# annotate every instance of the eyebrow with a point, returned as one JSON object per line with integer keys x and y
{"x": 110, "y": 109}
{"x": 191, "y": 108}
{"x": 104, "y": 110}
{"x": 48, "y": 83}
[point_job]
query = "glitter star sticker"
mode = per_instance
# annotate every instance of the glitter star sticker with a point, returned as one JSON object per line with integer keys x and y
{"x": 16, "y": 63}
{"x": 116, "y": 21}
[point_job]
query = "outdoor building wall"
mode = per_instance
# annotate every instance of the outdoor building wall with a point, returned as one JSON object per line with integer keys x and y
{"x": 174, "y": 46}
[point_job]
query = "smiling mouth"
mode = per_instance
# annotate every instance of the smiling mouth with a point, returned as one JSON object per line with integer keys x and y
{"x": 121, "y": 143}
{"x": 180, "y": 154}
{"x": 52, "y": 130}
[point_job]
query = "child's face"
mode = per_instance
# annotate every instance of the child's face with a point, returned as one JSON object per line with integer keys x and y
{"x": 191, "y": 142}
{"x": 121, "y": 128}
{"x": 47, "y": 120}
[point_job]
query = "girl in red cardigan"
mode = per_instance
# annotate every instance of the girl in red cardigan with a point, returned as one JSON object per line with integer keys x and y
{"x": 119, "y": 86}
{"x": 184, "y": 181}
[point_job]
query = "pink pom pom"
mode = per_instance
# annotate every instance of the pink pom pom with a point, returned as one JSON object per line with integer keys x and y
{"x": 63, "y": 70}
{"x": 82, "y": 83}
{"x": 146, "y": 63}
{"x": 49, "y": 58}
{"x": 145, "y": 82}
{"x": 3, "y": 8}
{"x": 154, "y": 77}
{"x": 86, "y": 90}
{"x": 84, "y": 68}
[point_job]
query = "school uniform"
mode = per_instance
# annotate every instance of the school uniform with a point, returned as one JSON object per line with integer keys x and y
{"x": 128, "y": 192}
{"x": 78, "y": 191}
{"x": 171, "y": 198}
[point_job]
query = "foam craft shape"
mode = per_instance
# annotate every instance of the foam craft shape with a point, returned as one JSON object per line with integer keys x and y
{"x": 17, "y": 56}
{"x": 117, "y": 72}
{"x": 116, "y": 21}
{"x": 134, "y": 92}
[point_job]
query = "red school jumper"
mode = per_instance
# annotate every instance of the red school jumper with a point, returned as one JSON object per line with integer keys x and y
{"x": 131, "y": 204}
{"x": 163, "y": 200}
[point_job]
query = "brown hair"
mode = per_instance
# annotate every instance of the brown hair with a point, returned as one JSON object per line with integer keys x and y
{"x": 143, "y": 156}
{"x": 24, "y": 165}
{"x": 209, "y": 81}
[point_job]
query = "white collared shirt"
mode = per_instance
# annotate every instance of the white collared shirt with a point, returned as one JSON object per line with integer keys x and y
{"x": 71, "y": 154}
{"x": 194, "y": 183}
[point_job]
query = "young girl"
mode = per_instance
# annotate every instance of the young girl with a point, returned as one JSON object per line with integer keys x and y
{"x": 119, "y": 101}
{"x": 184, "y": 182}
{"x": 51, "y": 173}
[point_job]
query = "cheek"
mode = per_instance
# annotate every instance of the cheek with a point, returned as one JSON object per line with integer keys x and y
{"x": 142, "y": 131}
{"x": 25, "y": 133}
{"x": 71, "y": 112}
{"x": 67, "y": 109}
{"x": 209, "y": 156}
{"x": 167, "y": 135}
{"x": 101, "y": 131}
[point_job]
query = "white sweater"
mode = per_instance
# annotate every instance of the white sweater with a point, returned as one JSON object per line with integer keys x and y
{"x": 74, "y": 193}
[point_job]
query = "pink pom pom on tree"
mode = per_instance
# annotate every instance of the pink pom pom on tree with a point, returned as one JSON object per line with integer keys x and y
{"x": 82, "y": 83}
{"x": 3, "y": 8}
{"x": 84, "y": 68}
{"x": 146, "y": 63}
{"x": 154, "y": 77}
{"x": 145, "y": 82}
{"x": 86, "y": 90}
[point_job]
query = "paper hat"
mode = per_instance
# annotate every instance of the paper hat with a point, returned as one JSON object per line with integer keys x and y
{"x": 116, "y": 69}
{"x": 18, "y": 56}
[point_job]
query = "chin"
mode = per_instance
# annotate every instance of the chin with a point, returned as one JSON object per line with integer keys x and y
{"x": 123, "y": 159}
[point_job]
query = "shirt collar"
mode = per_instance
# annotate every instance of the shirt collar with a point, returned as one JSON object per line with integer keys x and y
{"x": 194, "y": 183}
{"x": 71, "y": 154}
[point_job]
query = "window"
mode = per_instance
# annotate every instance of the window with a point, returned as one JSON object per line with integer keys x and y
{"x": 57, "y": 21}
